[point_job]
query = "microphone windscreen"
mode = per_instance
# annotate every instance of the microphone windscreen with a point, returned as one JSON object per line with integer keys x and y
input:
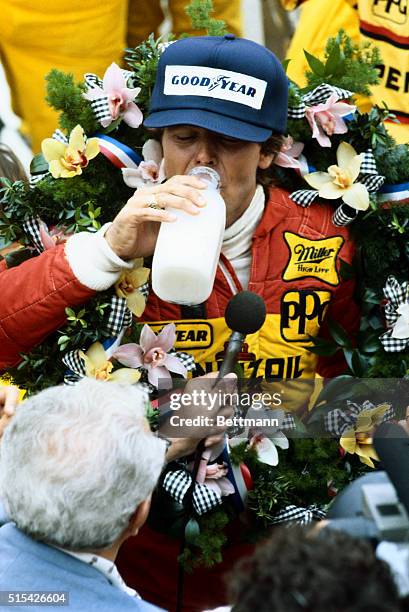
{"x": 391, "y": 442}
{"x": 245, "y": 312}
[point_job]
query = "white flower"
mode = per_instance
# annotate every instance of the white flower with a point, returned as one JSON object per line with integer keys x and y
{"x": 339, "y": 181}
{"x": 401, "y": 327}
{"x": 151, "y": 171}
{"x": 264, "y": 439}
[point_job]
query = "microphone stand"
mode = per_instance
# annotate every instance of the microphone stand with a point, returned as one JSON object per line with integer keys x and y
{"x": 233, "y": 348}
{"x": 188, "y": 503}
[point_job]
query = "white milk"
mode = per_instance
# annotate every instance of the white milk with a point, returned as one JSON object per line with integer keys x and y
{"x": 187, "y": 251}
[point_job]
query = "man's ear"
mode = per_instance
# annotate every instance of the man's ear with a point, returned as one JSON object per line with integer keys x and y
{"x": 265, "y": 160}
{"x": 139, "y": 516}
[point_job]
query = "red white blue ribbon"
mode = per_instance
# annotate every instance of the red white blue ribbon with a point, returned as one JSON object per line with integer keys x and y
{"x": 117, "y": 152}
{"x": 394, "y": 193}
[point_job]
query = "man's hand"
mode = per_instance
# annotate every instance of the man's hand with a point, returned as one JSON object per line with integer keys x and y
{"x": 207, "y": 410}
{"x": 9, "y": 397}
{"x": 134, "y": 230}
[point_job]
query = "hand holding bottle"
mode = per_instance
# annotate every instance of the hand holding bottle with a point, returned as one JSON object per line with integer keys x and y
{"x": 134, "y": 230}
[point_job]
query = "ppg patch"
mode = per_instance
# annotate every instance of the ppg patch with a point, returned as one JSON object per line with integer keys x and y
{"x": 312, "y": 258}
{"x": 302, "y": 313}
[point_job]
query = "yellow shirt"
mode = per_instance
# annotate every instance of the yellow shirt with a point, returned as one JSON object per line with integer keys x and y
{"x": 382, "y": 22}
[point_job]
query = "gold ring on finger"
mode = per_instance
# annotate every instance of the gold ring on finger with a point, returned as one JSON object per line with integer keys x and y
{"x": 153, "y": 203}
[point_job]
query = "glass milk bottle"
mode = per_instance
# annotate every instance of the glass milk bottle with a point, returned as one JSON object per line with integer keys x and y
{"x": 187, "y": 250}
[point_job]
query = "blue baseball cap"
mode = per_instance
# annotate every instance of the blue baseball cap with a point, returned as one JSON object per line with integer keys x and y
{"x": 224, "y": 84}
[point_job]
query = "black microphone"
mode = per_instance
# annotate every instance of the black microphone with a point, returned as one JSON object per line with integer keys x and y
{"x": 391, "y": 442}
{"x": 245, "y": 314}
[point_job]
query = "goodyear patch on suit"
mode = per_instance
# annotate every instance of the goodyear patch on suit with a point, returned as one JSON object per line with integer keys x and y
{"x": 312, "y": 258}
{"x": 190, "y": 335}
{"x": 302, "y": 313}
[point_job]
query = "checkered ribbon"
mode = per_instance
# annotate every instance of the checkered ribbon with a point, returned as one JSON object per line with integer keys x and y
{"x": 186, "y": 360}
{"x": 144, "y": 289}
{"x": 31, "y": 227}
{"x": 368, "y": 174}
{"x": 177, "y": 484}
{"x": 100, "y": 106}
{"x": 288, "y": 422}
{"x": 60, "y": 136}
{"x": 75, "y": 365}
{"x": 296, "y": 514}
{"x": 304, "y": 197}
{"x": 119, "y": 317}
{"x": 343, "y": 215}
{"x": 317, "y": 96}
{"x": 397, "y": 295}
{"x": 338, "y": 421}
{"x": 36, "y": 178}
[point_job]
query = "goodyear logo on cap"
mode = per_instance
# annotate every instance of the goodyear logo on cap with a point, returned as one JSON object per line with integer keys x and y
{"x": 214, "y": 83}
{"x": 312, "y": 258}
{"x": 190, "y": 335}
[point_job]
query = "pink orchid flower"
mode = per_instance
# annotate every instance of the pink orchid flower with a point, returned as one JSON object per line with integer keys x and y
{"x": 214, "y": 476}
{"x": 152, "y": 355}
{"x": 120, "y": 97}
{"x": 53, "y": 236}
{"x": 216, "y": 479}
{"x": 326, "y": 119}
{"x": 150, "y": 171}
{"x": 288, "y": 153}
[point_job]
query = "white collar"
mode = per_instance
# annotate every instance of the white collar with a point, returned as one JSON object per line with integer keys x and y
{"x": 106, "y": 567}
{"x": 238, "y": 237}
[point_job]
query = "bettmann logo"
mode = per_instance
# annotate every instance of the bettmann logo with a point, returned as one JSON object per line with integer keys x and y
{"x": 210, "y": 82}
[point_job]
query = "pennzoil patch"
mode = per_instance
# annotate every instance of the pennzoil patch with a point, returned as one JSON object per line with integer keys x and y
{"x": 312, "y": 258}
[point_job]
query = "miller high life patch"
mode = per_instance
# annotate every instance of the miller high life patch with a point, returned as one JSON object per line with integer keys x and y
{"x": 312, "y": 258}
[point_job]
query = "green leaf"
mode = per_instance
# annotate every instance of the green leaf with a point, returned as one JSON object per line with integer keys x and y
{"x": 339, "y": 334}
{"x": 192, "y": 531}
{"x": 369, "y": 343}
{"x": 70, "y": 313}
{"x": 323, "y": 351}
{"x": 335, "y": 388}
{"x": 315, "y": 64}
{"x": 285, "y": 63}
{"x": 38, "y": 164}
{"x": 63, "y": 340}
{"x": 333, "y": 61}
{"x": 321, "y": 346}
{"x": 359, "y": 364}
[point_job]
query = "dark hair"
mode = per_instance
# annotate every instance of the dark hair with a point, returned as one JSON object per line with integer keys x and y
{"x": 272, "y": 146}
{"x": 298, "y": 571}
{"x": 10, "y": 165}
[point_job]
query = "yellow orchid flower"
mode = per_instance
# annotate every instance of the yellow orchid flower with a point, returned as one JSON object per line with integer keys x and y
{"x": 339, "y": 181}
{"x": 68, "y": 160}
{"x": 127, "y": 287}
{"x": 98, "y": 366}
{"x": 358, "y": 439}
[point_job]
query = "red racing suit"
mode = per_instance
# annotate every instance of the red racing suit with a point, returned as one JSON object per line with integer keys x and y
{"x": 296, "y": 258}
